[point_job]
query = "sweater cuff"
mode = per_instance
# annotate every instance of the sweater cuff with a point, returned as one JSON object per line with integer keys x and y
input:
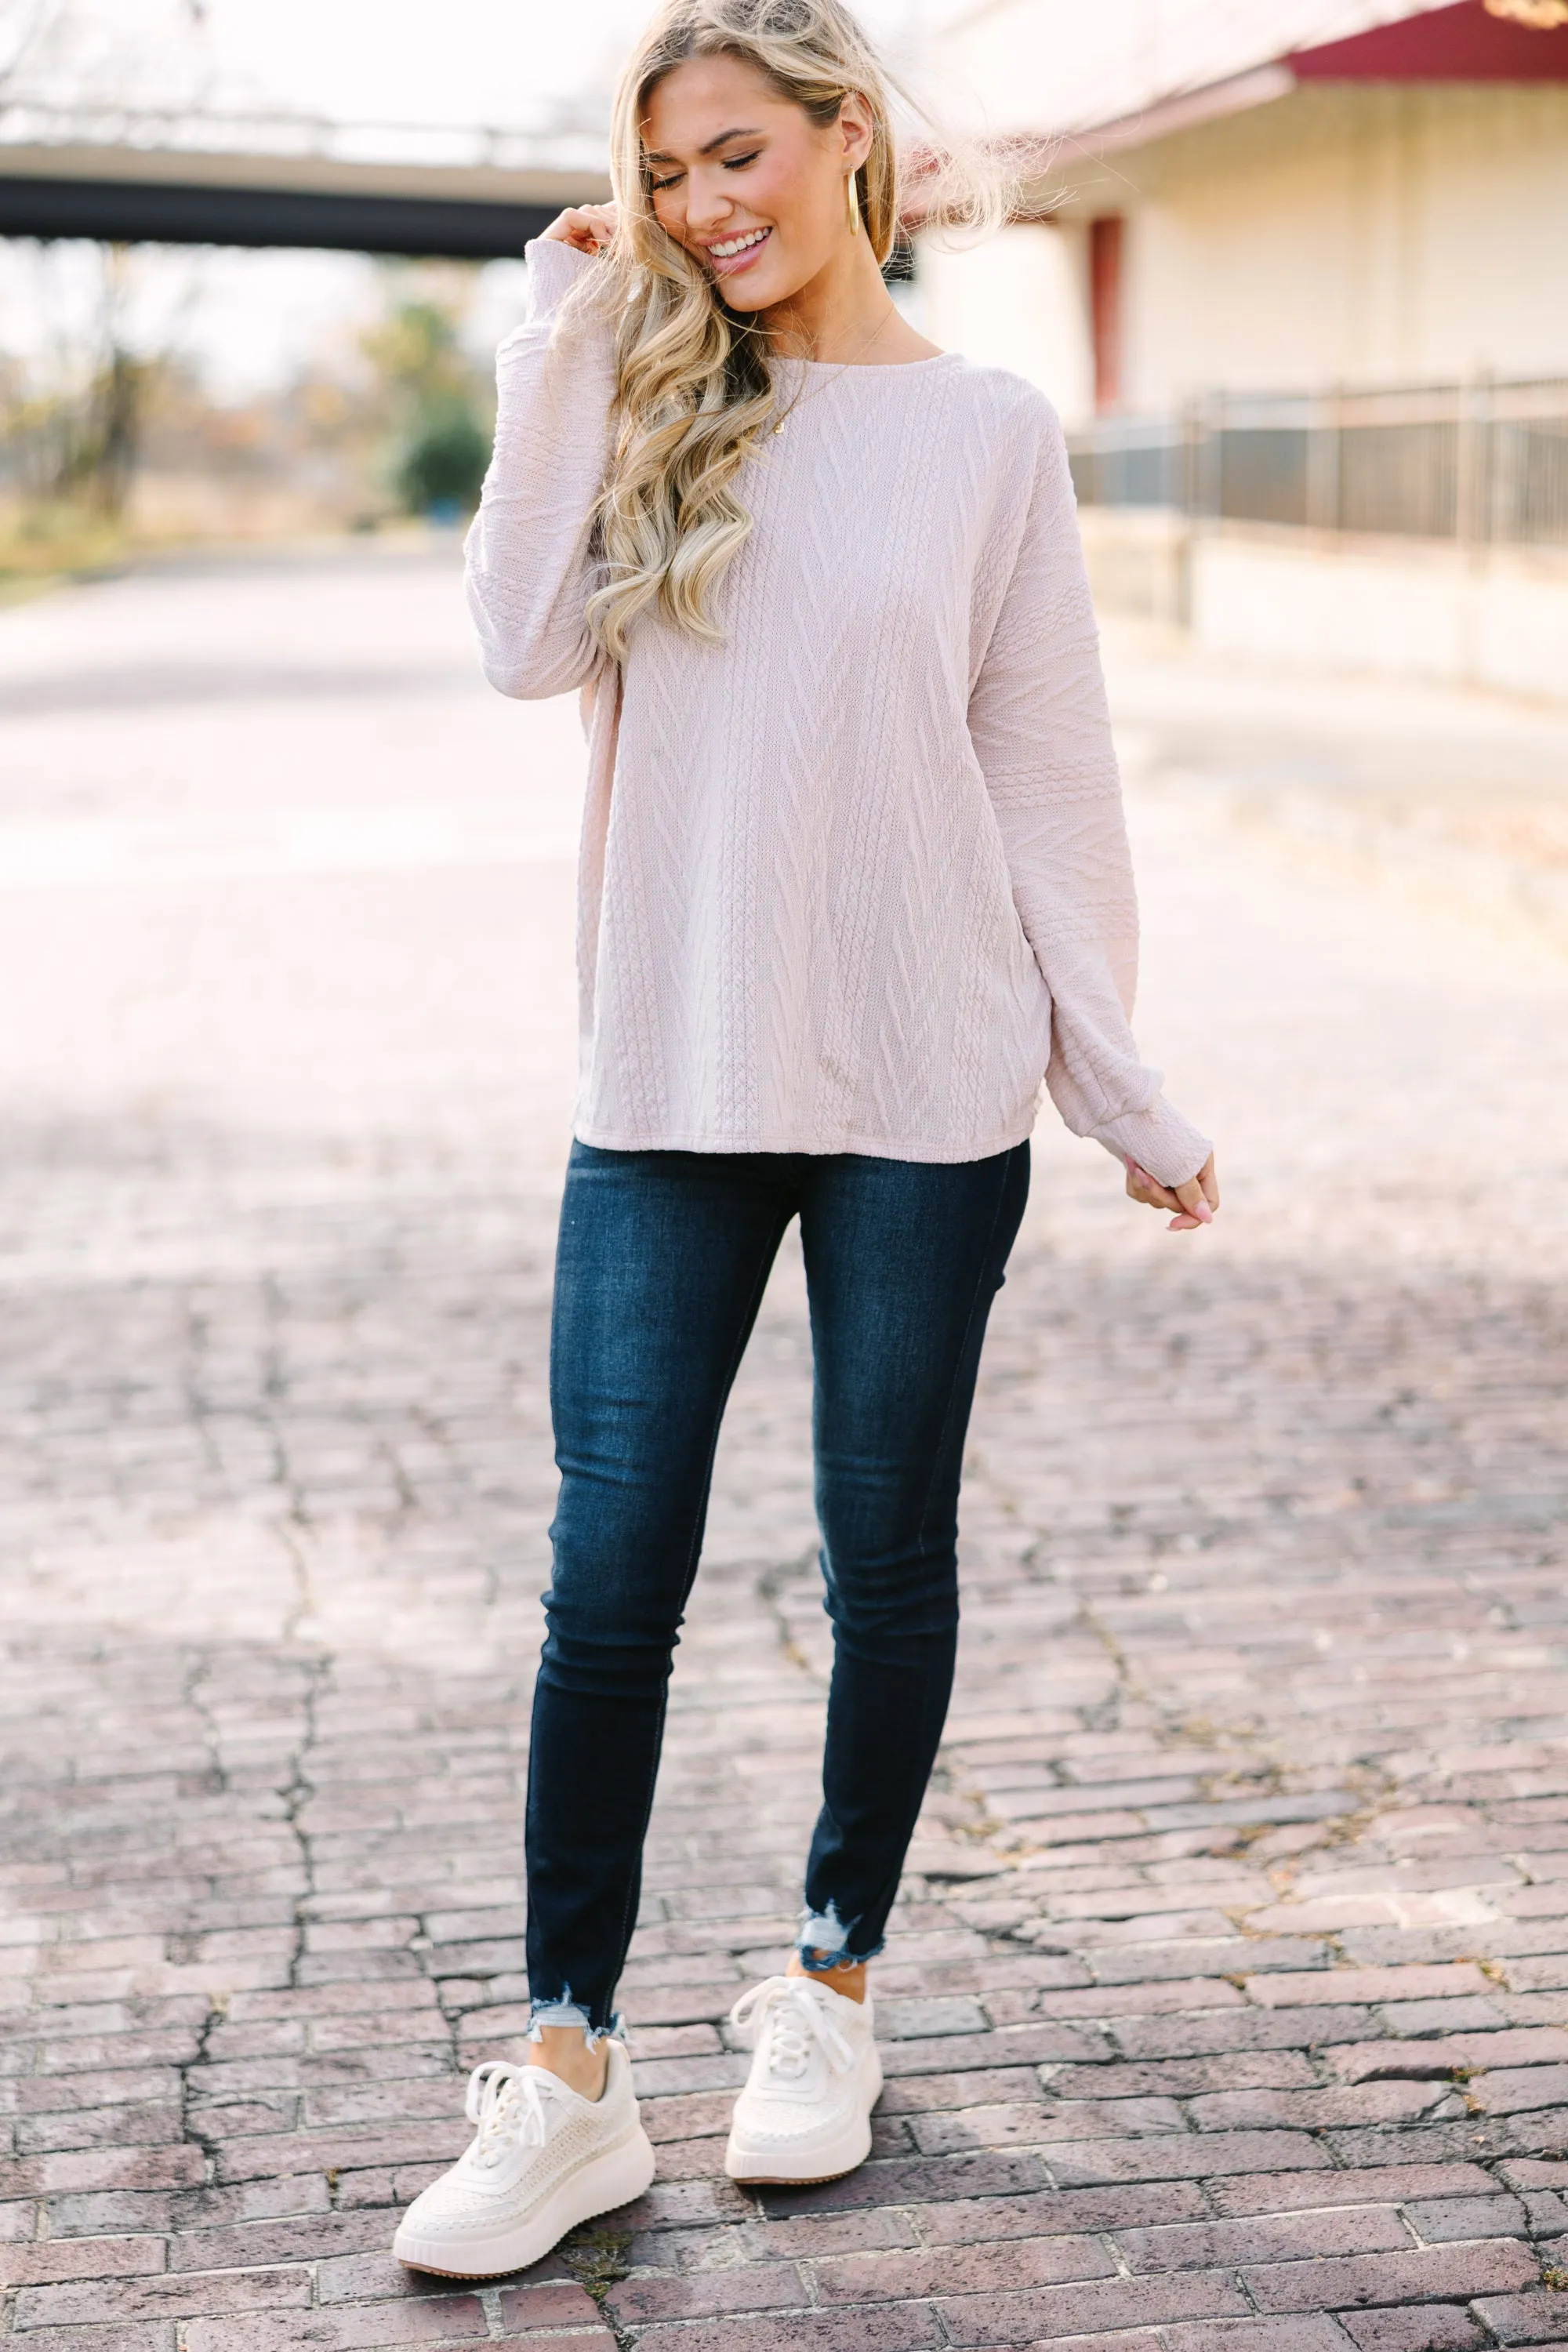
{"x": 554, "y": 269}
{"x": 1158, "y": 1139}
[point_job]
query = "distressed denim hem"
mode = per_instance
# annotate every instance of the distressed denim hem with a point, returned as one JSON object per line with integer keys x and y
{"x": 567, "y": 2011}
{"x": 823, "y": 1942}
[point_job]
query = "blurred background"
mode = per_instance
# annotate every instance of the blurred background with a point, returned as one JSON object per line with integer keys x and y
{"x": 1299, "y": 281}
{"x": 1295, "y": 274}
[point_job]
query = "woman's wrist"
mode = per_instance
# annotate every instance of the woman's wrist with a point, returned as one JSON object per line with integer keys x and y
{"x": 1158, "y": 1139}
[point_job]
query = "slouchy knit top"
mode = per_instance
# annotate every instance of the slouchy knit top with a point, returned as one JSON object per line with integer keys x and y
{"x": 856, "y": 880}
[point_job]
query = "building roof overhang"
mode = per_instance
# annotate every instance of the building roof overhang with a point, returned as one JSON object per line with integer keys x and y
{"x": 1052, "y": 73}
{"x": 1462, "y": 41}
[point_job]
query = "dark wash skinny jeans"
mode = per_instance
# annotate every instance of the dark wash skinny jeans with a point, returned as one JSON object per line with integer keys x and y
{"x": 662, "y": 1261}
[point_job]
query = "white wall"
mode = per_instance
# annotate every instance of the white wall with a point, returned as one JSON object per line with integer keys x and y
{"x": 1355, "y": 234}
{"x": 1492, "y": 618}
{"x": 1363, "y": 234}
{"x": 1421, "y": 612}
{"x": 1016, "y": 302}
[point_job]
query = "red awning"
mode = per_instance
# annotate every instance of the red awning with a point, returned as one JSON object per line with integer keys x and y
{"x": 1464, "y": 43}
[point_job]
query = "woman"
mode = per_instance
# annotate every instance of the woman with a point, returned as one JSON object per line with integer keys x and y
{"x": 854, "y": 880}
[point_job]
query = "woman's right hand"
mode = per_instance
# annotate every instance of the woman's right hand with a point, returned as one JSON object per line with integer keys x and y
{"x": 586, "y": 228}
{"x": 1195, "y": 1201}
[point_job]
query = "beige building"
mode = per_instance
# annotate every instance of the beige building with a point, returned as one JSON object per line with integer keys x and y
{"x": 1312, "y": 198}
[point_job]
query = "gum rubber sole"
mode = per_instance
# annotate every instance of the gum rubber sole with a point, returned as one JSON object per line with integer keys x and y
{"x": 752, "y": 2173}
{"x": 610, "y": 2180}
{"x": 749, "y": 2169}
{"x": 795, "y": 2180}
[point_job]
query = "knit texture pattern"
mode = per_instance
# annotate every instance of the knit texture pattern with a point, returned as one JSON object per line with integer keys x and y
{"x": 858, "y": 878}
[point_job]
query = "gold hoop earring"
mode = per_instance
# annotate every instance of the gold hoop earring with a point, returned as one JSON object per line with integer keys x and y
{"x": 853, "y": 194}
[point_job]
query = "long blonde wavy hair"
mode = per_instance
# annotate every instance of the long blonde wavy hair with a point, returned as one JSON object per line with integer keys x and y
{"x": 694, "y": 383}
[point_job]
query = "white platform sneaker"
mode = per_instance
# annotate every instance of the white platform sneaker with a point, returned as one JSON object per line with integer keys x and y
{"x": 806, "y": 2112}
{"x": 543, "y": 2159}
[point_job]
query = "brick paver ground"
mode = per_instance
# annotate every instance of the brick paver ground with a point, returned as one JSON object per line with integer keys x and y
{"x": 1227, "y": 2005}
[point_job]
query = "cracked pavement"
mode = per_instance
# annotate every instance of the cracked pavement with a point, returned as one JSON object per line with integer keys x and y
{"x": 1226, "y": 2009}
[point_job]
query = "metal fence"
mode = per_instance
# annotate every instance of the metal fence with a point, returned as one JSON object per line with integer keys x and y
{"x": 1478, "y": 462}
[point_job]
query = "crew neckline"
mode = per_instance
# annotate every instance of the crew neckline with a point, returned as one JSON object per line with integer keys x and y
{"x": 870, "y": 367}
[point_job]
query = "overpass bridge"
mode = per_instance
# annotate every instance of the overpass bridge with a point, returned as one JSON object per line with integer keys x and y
{"x": 291, "y": 180}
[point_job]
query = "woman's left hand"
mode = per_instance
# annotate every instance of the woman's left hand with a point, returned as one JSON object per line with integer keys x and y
{"x": 1194, "y": 1202}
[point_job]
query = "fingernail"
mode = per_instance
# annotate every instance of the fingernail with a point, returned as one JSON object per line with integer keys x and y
{"x": 1204, "y": 1212}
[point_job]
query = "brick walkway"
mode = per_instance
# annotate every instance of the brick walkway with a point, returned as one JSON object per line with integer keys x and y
{"x": 1228, "y": 2009}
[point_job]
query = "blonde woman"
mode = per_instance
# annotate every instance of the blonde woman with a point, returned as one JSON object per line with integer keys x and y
{"x": 854, "y": 882}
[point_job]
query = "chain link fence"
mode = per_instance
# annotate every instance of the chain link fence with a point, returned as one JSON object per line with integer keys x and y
{"x": 1479, "y": 462}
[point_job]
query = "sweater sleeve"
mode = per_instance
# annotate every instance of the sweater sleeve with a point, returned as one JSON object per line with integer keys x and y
{"x": 529, "y": 569}
{"x": 1041, "y": 731}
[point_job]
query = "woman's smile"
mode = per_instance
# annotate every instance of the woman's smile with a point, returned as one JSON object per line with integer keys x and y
{"x": 738, "y": 251}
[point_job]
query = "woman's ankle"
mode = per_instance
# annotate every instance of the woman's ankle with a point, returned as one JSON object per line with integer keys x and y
{"x": 565, "y": 2052}
{"x": 848, "y": 1979}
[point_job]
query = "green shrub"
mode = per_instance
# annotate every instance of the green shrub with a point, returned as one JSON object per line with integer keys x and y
{"x": 444, "y": 460}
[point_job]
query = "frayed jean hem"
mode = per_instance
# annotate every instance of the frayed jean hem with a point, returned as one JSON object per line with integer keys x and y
{"x": 823, "y": 1942}
{"x": 567, "y": 2011}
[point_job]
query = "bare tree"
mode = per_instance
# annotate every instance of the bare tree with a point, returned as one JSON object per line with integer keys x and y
{"x": 73, "y": 430}
{"x": 24, "y": 26}
{"x": 21, "y": 22}
{"x": 73, "y": 60}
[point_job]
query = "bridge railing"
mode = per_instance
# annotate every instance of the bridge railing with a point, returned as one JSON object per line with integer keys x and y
{"x": 560, "y": 137}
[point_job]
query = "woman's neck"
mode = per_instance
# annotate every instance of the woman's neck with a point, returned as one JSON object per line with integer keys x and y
{"x": 846, "y": 315}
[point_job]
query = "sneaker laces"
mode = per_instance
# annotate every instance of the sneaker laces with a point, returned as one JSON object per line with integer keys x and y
{"x": 509, "y": 2106}
{"x": 789, "y": 2019}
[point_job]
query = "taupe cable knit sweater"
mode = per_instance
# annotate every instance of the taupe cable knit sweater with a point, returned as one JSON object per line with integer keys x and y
{"x": 856, "y": 879}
